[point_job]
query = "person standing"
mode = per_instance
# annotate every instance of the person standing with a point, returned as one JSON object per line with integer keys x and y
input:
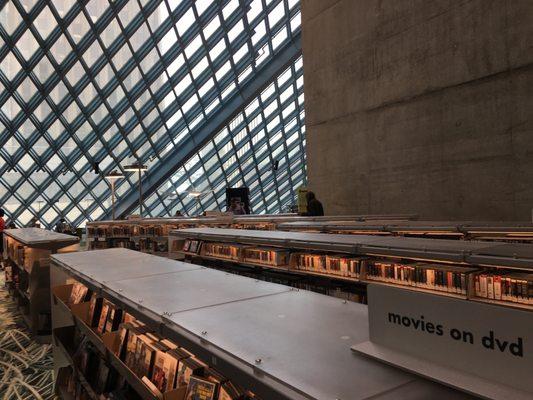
{"x": 61, "y": 226}
{"x": 236, "y": 207}
{"x": 314, "y": 207}
{"x": 34, "y": 223}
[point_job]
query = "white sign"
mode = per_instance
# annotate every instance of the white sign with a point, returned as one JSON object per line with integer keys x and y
{"x": 481, "y": 348}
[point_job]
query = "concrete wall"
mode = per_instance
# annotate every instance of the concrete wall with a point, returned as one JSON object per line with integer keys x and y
{"x": 420, "y": 106}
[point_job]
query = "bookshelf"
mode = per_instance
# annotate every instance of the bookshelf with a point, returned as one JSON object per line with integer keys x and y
{"x": 246, "y": 330}
{"x": 27, "y": 254}
{"x": 512, "y": 232}
{"x": 151, "y": 235}
{"x": 484, "y": 271}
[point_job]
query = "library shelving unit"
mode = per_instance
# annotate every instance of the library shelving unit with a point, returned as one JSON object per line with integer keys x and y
{"x": 150, "y": 235}
{"x": 513, "y": 232}
{"x": 485, "y": 271}
{"x": 27, "y": 254}
{"x": 266, "y": 338}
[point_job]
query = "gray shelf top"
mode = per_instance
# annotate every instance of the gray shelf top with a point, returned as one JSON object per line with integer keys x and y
{"x": 303, "y": 339}
{"x": 38, "y": 236}
{"x": 198, "y": 288}
{"x": 117, "y": 264}
{"x": 474, "y": 252}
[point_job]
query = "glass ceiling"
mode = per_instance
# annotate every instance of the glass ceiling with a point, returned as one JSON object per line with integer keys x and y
{"x": 109, "y": 82}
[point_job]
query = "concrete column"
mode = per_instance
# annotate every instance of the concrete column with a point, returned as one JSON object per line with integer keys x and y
{"x": 420, "y": 106}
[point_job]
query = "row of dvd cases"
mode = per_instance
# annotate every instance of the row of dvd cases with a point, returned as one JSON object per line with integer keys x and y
{"x": 150, "y": 235}
{"x": 497, "y": 273}
{"x": 511, "y": 232}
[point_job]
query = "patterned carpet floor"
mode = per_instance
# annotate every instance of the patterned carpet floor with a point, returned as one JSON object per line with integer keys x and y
{"x": 26, "y": 367}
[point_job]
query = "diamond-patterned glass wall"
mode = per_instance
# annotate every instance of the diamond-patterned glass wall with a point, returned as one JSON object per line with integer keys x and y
{"x": 114, "y": 81}
{"x": 262, "y": 148}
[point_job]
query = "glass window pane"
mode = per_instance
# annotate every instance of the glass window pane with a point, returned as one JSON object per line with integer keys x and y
{"x": 185, "y": 22}
{"x": 96, "y": 8}
{"x": 78, "y": 28}
{"x": 45, "y": 22}
{"x": 110, "y": 33}
{"x": 10, "y": 66}
{"x": 29, "y": 45}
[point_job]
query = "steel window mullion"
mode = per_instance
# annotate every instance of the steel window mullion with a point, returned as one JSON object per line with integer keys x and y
{"x": 259, "y": 144}
{"x": 265, "y": 121}
{"x": 229, "y": 56}
{"x": 94, "y": 71}
{"x": 77, "y": 175}
{"x": 259, "y": 172}
{"x": 177, "y": 129}
{"x": 269, "y": 147}
{"x": 255, "y": 165}
{"x": 184, "y": 71}
{"x": 45, "y": 88}
{"x": 281, "y": 107}
{"x": 87, "y": 117}
{"x": 83, "y": 115}
{"x": 11, "y": 41}
{"x": 267, "y": 180}
{"x": 175, "y": 50}
{"x": 126, "y": 95}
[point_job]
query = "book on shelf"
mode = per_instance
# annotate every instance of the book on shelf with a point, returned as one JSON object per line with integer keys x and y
{"x": 312, "y": 262}
{"x": 169, "y": 343}
{"x": 343, "y": 265}
{"x": 114, "y": 318}
{"x": 200, "y": 389}
{"x": 130, "y": 354}
{"x": 154, "y": 336}
{"x": 164, "y": 371}
{"x": 123, "y": 331}
{"x": 222, "y": 250}
{"x": 437, "y": 277}
{"x": 127, "y": 317}
{"x": 230, "y": 391}
{"x": 103, "y": 317}
{"x": 214, "y": 376}
{"x": 195, "y": 246}
{"x": 268, "y": 256}
{"x": 514, "y": 287}
{"x": 187, "y": 367}
{"x": 79, "y": 294}
{"x": 89, "y": 362}
{"x": 152, "y": 387}
{"x": 180, "y": 354}
{"x": 95, "y": 310}
{"x": 81, "y": 354}
{"x": 145, "y": 356}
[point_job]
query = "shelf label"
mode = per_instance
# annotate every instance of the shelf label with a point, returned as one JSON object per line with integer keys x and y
{"x": 490, "y": 341}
